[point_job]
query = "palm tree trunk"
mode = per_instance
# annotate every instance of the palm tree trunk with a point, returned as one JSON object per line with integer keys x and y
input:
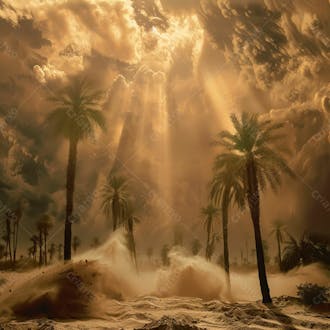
{"x": 70, "y": 180}
{"x": 207, "y": 244}
{"x": 225, "y": 236}
{"x": 40, "y": 248}
{"x": 45, "y": 248}
{"x": 279, "y": 250}
{"x": 254, "y": 205}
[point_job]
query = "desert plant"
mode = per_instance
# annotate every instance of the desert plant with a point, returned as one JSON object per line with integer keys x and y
{"x": 313, "y": 294}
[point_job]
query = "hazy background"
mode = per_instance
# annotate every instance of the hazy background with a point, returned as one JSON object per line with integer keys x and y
{"x": 173, "y": 71}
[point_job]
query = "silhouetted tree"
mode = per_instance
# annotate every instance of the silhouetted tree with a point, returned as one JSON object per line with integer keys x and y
{"x": 115, "y": 199}
{"x": 44, "y": 225}
{"x": 251, "y": 152}
{"x": 226, "y": 188}
{"x": 2, "y": 251}
{"x": 278, "y": 231}
{"x": 209, "y": 213}
{"x": 75, "y": 117}
{"x": 34, "y": 239}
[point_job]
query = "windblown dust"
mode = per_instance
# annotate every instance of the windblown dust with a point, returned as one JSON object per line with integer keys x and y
{"x": 92, "y": 285}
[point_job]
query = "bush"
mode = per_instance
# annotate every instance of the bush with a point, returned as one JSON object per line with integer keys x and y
{"x": 313, "y": 294}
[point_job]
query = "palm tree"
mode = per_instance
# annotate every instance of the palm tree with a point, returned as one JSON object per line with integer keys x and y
{"x": 226, "y": 188}
{"x": 8, "y": 234}
{"x": 17, "y": 215}
{"x": 76, "y": 243}
{"x": 44, "y": 225}
{"x": 209, "y": 213}
{"x": 130, "y": 220}
{"x": 211, "y": 248}
{"x": 75, "y": 117}
{"x": 251, "y": 152}
{"x": 2, "y": 251}
{"x": 277, "y": 231}
{"x": 34, "y": 240}
{"x": 303, "y": 252}
{"x": 114, "y": 202}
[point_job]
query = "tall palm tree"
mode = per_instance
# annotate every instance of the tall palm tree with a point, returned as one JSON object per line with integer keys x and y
{"x": 252, "y": 151}
{"x": 115, "y": 196}
{"x": 278, "y": 231}
{"x": 75, "y": 117}
{"x": 226, "y": 188}
{"x": 209, "y": 213}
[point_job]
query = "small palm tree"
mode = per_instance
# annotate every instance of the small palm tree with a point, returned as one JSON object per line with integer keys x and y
{"x": 226, "y": 188}
{"x": 75, "y": 117}
{"x": 278, "y": 231}
{"x": 34, "y": 240}
{"x": 209, "y": 213}
{"x": 115, "y": 197}
{"x": 44, "y": 225}
{"x": 253, "y": 152}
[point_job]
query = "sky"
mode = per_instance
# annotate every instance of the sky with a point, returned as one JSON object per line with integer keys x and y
{"x": 172, "y": 72}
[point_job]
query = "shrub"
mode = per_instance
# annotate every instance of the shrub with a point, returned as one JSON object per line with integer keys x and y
{"x": 313, "y": 294}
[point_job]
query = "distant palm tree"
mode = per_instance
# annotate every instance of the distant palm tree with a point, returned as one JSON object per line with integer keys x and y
{"x": 17, "y": 215}
{"x": 34, "y": 240}
{"x": 2, "y": 251}
{"x": 278, "y": 229}
{"x": 130, "y": 220}
{"x": 44, "y": 225}
{"x": 252, "y": 151}
{"x": 226, "y": 187}
{"x": 115, "y": 198}
{"x": 75, "y": 117}
{"x": 303, "y": 252}
{"x": 209, "y": 213}
{"x": 76, "y": 243}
